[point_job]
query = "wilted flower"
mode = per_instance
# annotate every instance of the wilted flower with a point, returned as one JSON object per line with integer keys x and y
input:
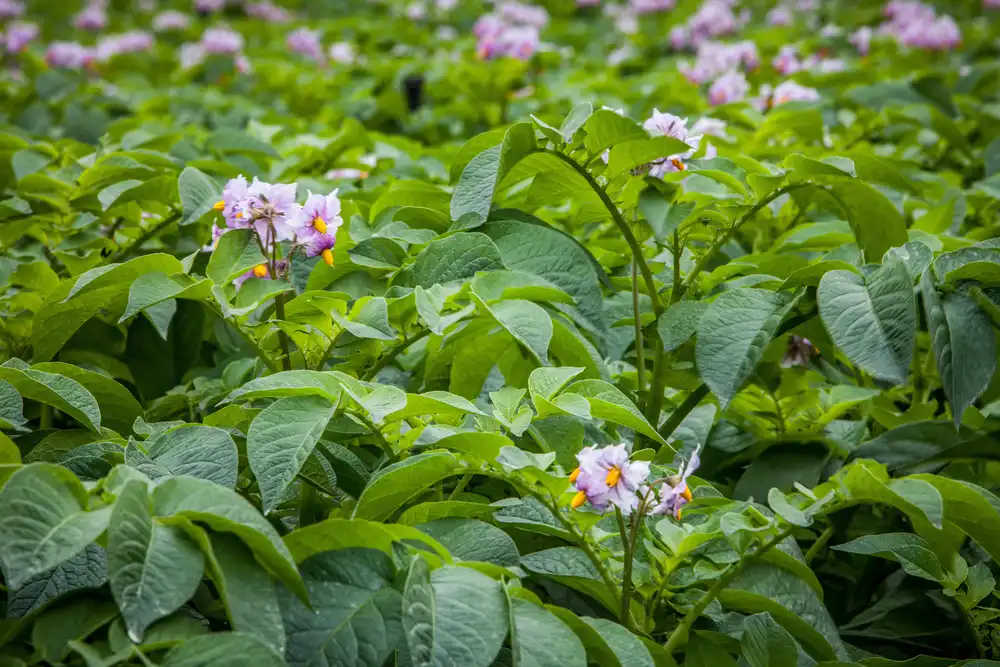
{"x": 342, "y": 52}
{"x": 606, "y": 477}
{"x": 91, "y": 17}
{"x": 69, "y": 55}
{"x": 267, "y": 11}
{"x": 18, "y": 35}
{"x": 730, "y": 87}
{"x": 669, "y": 125}
{"x": 798, "y": 353}
{"x": 306, "y": 42}
{"x": 171, "y": 20}
{"x": 11, "y": 9}
{"x": 789, "y": 91}
{"x": 674, "y": 493}
{"x": 135, "y": 41}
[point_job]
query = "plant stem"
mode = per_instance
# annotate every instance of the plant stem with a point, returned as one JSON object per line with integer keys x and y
{"x": 727, "y": 234}
{"x": 640, "y": 353}
{"x": 681, "y": 631}
{"x": 45, "y": 418}
{"x": 678, "y": 415}
{"x": 626, "y": 231}
{"x": 386, "y": 359}
{"x": 462, "y": 483}
{"x": 624, "y": 614}
{"x": 654, "y": 403}
{"x": 820, "y": 542}
{"x": 279, "y": 312}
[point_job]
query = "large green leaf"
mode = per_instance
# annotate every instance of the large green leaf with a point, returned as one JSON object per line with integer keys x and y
{"x": 290, "y": 383}
{"x": 570, "y": 567}
{"x": 527, "y": 322}
{"x": 468, "y": 539}
{"x": 153, "y": 568}
{"x": 198, "y": 194}
{"x": 335, "y": 534}
{"x": 473, "y": 197}
{"x": 873, "y": 320}
{"x": 119, "y": 408}
{"x": 154, "y": 288}
{"x": 540, "y": 639}
{"x": 280, "y": 440}
{"x": 964, "y": 345}
{"x": 607, "y": 402}
{"x": 356, "y": 619}
{"x": 455, "y": 257}
{"x": 236, "y": 252}
{"x": 911, "y": 551}
{"x": 628, "y": 648}
{"x": 389, "y": 490}
{"x": 679, "y": 322}
{"x": 58, "y": 626}
{"x": 199, "y": 451}
{"x": 86, "y": 570}
{"x": 733, "y": 333}
{"x": 56, "y": 390}
{"x": 223, "y": 649}
{"x": 44, "y": 521}
{"x": 453, "y": 616}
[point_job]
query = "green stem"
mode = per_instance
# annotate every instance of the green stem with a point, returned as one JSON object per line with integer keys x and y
{"x": 678, "y": 415}
{"x": 655, "y": 402}
{"x": 680, "y": 633}
{"x": 727, "y": 234}
{"x": 626, "y": 231}
{"x": 386, "y": 359}
{"x": 45, "y": 418}
{"x": 624, "y": 614}
{"x": 462, "y": 483}
{"x": 308, "y": 507}
{"x": 820, "y": 542}
{"x": 640, "y": 352}
{"x": 380, "y": 439}
{"x": 279, "y": 312}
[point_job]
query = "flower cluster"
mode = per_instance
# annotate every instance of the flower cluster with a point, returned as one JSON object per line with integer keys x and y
{"x": 171, "y": 20}
{"x": 267, "y": 11}
{"x": 607, "y": 478}
{"x": 272, "y": 212}
{"x": 135, "y": 41}
{"x": 715, "y": 18}
{"x": 714, "y": 59}
{"x": 668, "y": 125}
{"x": 730, "y": 87}
{"x": 788, "y": 62}
{"x": 786, "y": 91}
{"x": 917, "y": 25}
{"x": 69, "y": 55}
{"x": 306, "y": 42}
{"x": 652, "y": 6}
{"x": 18, "y": 35}
{"x": 94, "y": 16}
{"x": 10, "y": 9}
{"x": 513, "y": 30}
{"x": 216, "y": 41}
{"x": 208, "y": 6}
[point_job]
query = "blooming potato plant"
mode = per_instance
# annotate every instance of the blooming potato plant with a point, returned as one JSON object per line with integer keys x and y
{"x": 474, "y": 334}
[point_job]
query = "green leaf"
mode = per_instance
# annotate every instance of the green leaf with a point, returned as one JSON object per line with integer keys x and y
{"x": 456, "y": 257}
{"x": 44, "y": 521}
{"x": 964, "y": 345}
{"x": 733, "y": 333}
{"x": 598, "y": 650}
{"x": 540, "y": 639}
{"x": 59, "y": 391}
{"x": 78, "y": 619}
{"x": 393, "y": 486}
{"x": 335, "y": 534}
{"x": 605, "y": 128}
{"x": 456, "y": 616}
{"x": 792, "y": 602}
{"x": 199, "y": 451}
{"x": 971, "y": 508}
{"x": 88, "y": 569}
{"x": 527, "y": 322}
{"x": 224, "y": 510}
{"x": 767, "y": 644}
{"x": 280, "y": 440}
{"x": 198, "y": 193}
{"x": 153, "y": 568}
{"x": 575, "y": 119}
{"x": 627, "y": 155}
{"x": 877, "y": 224}
{"x": 290, "y": 383}
{"x": 912, "y": 552}
{"x": 629, "y": 650}
{"x": 926, "y": 441}
{"x": 679, "y": 322}
{"x": 471, "y": 540}
{"x": 119, "y": 408}
{"x": 153, "y": 288}
{"x": 571, "y": 567}
{"x": 444, "y": 509}
{"x": 11, "y": 407}
{"x": 356, "y": 617}
{"x": 236, "y": 252}
{"x": 873, "y": 320}
{"x": 223, "y": 649}
{"x": 607, "y": 402}
{"x": 473, "y": 197}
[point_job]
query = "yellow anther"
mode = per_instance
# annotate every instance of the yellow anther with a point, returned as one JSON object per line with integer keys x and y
{"x": 579, "y": 499}
{"x": 573, "y": 475}
{"x": 686, "y": 494}
{"x": 327, "y": 257}
{"x": 678, "y": 164}
{"x": 319, "y": 225}
{"x": 219, "y": 206}
{"x": 260, "y": 271}
{"x": 613, "y": 476}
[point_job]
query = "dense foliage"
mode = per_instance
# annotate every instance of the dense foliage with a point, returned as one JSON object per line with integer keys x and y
{"x": 425, "y": 334}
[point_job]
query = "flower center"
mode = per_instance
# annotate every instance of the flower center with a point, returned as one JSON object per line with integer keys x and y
{"x": 579, "y": 499}
{"x": 319, "y": 225}
{"x": 686, "y": 493}
{"x": 573, "y": 475}
{"x": 614, "y": 475}
{"x": 260, "y": 271}
{"x": 219, "y": 206}
{"x": 676, "y": 161}
{"x": 327, "y": 257}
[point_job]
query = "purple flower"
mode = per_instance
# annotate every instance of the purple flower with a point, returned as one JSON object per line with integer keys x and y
{"x": 267, "y": 11}
{"x": 789, "y": 91}
{"x": 516, "y": 12}
{"x": 712, "y": 127}
{"x": 316, "y": 225}
{"x": 171, "y": 20}
{"x": 915, "y": 24}
{"x": 275, "y": 204}
{"x": 861, "y": 39}
{"x": 674, "y": 493}
{"x": 234, "y": 205}
{"x": 787, "y": 61}
{"x": 488, "y": 26}
{"x": 991, "y": 4}
{"x": 798, "y": 353}
{"x": 713, "y": 59}
{"x": 206, "y": 6}
{"x": 91, "y": 17}
{"x": 342, "y": 52}
{"x": 306, "y": 42}
{"x": 346, "y": 173}
{"x": 191, "y": 55}
{"x": 606, "y": 477}
{"x": 780, "y": 16}
{"x": 669, "y": 125}
{"x": 416, "y": 11}
{"x": 652, "y": 6}
{"x": 69, "y": 55}
{"x": 10, "y": 9}
{"x": 730, "y": 87}
{"x": 136, "y": 41}
{"x": 222, "y": 40}
{"x": 19, "y": 34}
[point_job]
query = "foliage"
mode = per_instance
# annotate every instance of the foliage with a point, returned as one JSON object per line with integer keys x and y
{"x": 470, "y": 433}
